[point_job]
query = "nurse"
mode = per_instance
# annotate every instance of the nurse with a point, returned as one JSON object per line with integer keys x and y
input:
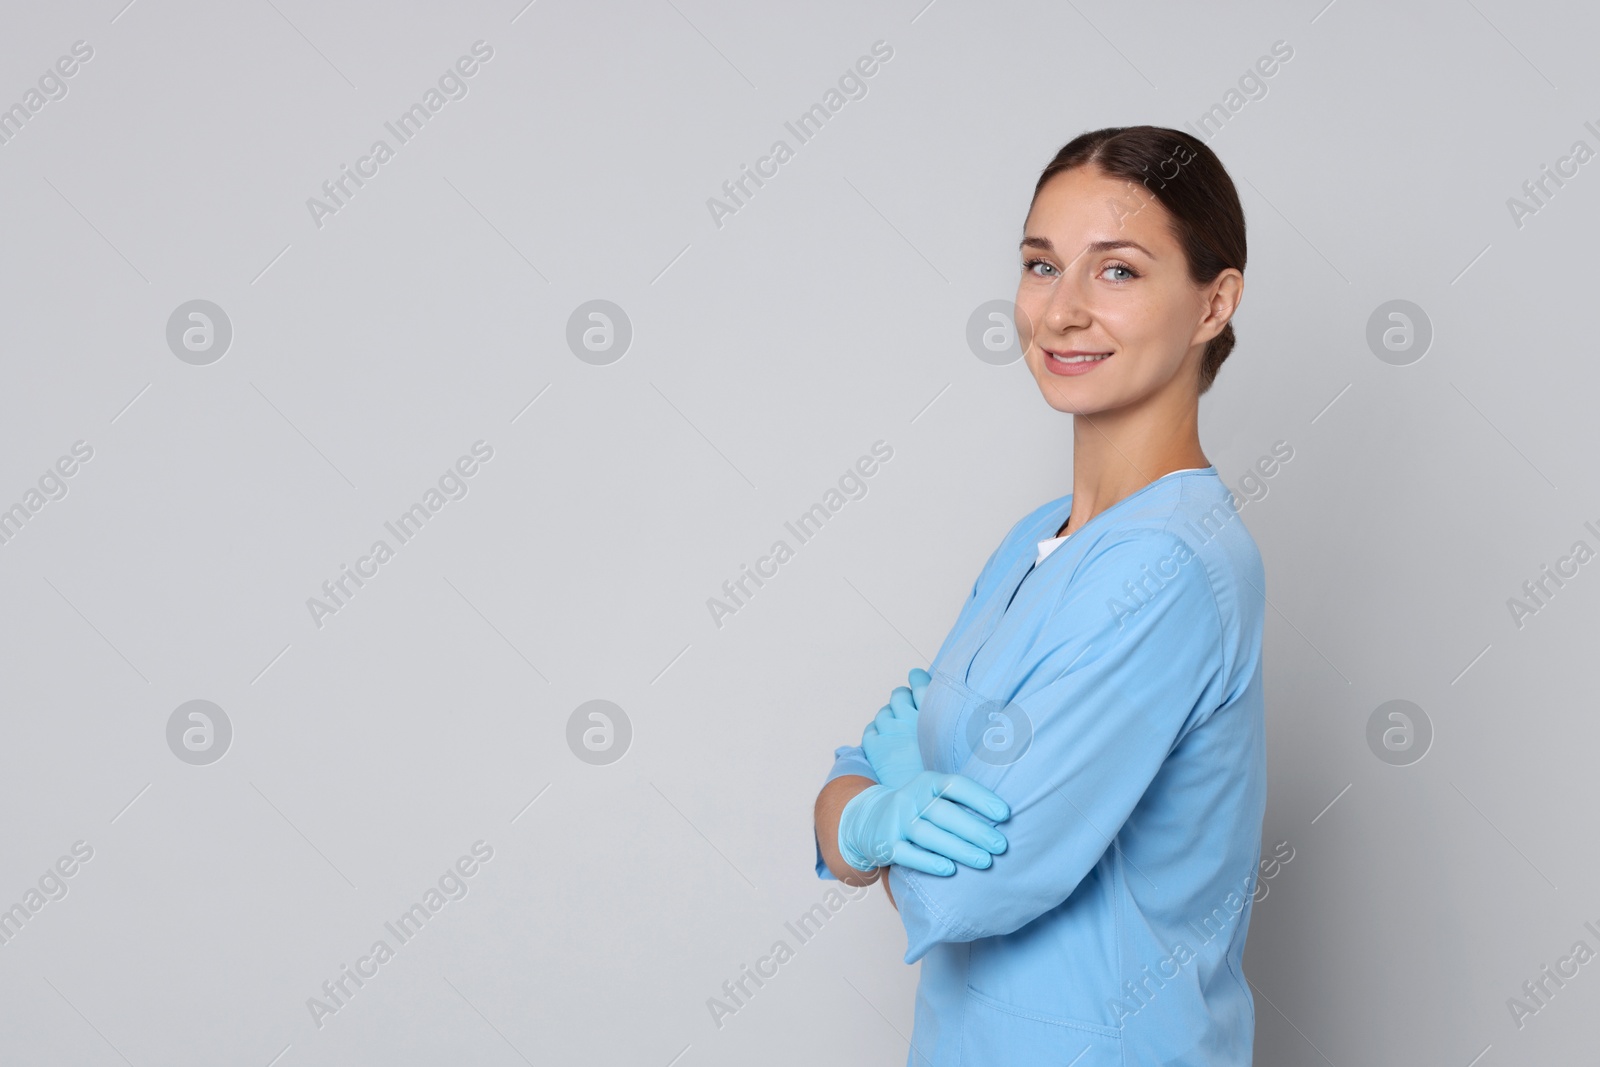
{"x": 1066, "y": 808}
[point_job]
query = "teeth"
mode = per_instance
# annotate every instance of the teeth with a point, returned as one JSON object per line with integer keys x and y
{"x": 1079, "y": 359}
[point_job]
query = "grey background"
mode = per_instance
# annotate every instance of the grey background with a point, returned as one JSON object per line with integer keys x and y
{"x": 767, "y": 355}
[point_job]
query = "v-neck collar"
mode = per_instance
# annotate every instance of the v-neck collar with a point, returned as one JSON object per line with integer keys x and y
{"x": 1063, "y": 510}
{"x": 960, "y": 657}
{"x": 1028, "y": 560}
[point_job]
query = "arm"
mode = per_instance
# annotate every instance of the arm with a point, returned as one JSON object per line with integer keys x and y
{"x": 830, "y": 802}
{"x": 1119, "y": 683}
{"x": 849, "y": 761}
{"x": 852, "y": 761}
{"x": 932, "y": 823}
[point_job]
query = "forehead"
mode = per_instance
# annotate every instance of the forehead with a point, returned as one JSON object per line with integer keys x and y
{"x": 1083, "y": 206}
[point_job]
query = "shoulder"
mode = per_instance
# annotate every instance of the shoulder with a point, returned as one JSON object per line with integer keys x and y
{"x": 1194, "y": 516}
{"x": 1134, "y": 560}
{"x": 1206, "y": 519}
{"x": 1198, "y": 525}
{"x": 1189, "y": 541}
{"x": 1137, "y": 601}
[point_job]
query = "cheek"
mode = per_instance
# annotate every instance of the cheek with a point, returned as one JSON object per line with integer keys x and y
{"x": 1128, "y": 325}
{"x": 1031, "y": 304}
{"x": 1156, "y": 326}
{"x": 1030, "y": 301}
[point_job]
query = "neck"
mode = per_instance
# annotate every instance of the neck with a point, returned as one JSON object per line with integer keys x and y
{"x": 1117, "y": 453}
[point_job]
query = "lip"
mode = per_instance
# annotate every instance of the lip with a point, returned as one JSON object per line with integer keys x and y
{"x": 1070, "y": 370}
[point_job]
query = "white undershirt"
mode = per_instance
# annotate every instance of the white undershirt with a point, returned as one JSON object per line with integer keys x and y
{"x": 1047, "y": 547}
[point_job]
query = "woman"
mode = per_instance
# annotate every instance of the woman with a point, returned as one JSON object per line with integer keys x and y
{"x": 1069, "y": 809}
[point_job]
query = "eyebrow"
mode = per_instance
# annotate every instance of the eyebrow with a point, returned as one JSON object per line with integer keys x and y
{"x": 1092, "y": 248}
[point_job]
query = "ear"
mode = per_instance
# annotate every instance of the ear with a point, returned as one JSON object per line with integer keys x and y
{"x": 1222, "y": 297}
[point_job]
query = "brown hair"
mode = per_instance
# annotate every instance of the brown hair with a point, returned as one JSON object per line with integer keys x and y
{"x": 1207, "y": 219}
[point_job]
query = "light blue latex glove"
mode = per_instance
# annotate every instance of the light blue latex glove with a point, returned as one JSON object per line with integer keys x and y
{"x": 928, "y": 825}
{"x": 890, "y": 739}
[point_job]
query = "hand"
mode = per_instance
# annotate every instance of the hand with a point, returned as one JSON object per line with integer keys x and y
{"x": 922, "y": 825}
{"x": 890, "y": 739}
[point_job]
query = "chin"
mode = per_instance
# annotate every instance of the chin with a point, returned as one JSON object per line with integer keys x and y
{"x": 1064, "y": 394}
{"x": 1069, "y": 400}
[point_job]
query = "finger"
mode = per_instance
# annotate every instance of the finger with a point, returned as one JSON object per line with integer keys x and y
{"x": 920, "y": 680}
{"x": 961, "y": 823}
{"x": 963, "y": 790}
{"x": 944, "y": 843}
{"x": 908, "y": 855}
{"x": 902, "y": 705}
{"x": 885, "y": 719}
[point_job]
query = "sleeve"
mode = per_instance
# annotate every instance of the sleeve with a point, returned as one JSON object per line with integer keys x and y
{"x": 1128, "y": 661}
{"x": 847, "y": 759}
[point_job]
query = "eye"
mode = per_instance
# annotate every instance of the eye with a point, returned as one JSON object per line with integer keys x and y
{"x": 1132, "y": 274}
{"x": 1029, "y": 264}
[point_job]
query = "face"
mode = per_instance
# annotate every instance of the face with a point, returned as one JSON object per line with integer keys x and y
{"x": 1102, "y": 273}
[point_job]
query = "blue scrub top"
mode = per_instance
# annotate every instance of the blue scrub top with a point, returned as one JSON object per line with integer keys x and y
{"x": 1112, "y": 696}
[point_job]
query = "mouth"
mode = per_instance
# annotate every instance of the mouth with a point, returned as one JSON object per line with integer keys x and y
{"x": 1074, "y": 361}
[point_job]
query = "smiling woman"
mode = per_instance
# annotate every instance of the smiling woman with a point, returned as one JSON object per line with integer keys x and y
{"x": 1039, "y": 853}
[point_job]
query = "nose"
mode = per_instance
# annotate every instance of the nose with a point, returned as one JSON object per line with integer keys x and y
{"x": 1067, "y": 307}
